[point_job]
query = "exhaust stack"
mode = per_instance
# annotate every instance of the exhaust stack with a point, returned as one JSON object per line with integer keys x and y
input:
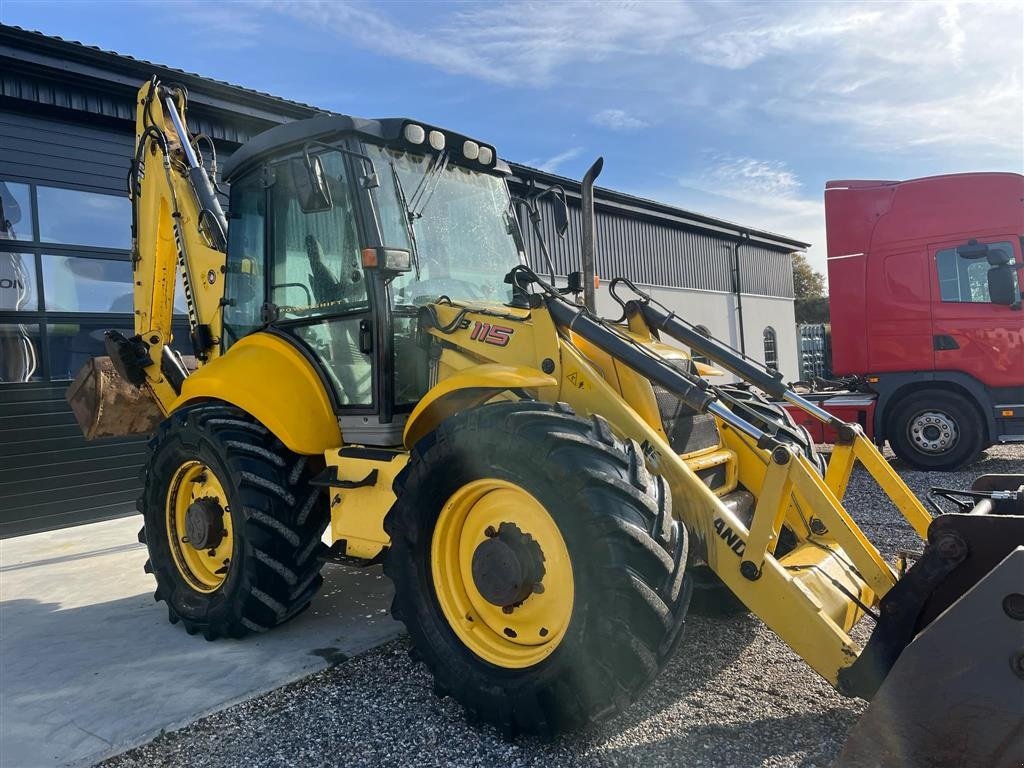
{"x": 589, "y": 234}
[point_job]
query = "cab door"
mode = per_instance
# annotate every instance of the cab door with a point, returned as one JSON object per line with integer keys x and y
{"x": 970, "y": 333}
{"x": 316, "y": 287}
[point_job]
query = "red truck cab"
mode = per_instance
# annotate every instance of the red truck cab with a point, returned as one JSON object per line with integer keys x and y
{"x": 925, "y": 302}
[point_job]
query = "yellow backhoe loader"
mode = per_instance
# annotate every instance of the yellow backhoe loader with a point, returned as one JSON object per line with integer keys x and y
{"x": 375, "y": 375}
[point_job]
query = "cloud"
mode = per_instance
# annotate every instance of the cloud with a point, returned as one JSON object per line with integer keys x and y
{"x": 218, "y": 25}
{"x": 919, "y": 75}
{"x": 617, "y": 120}
{"x": 764, "y": 194}
{"x": 552, "y": 163}
{"x": 526, "y": 43}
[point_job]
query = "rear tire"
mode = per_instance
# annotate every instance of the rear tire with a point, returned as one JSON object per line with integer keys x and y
{"x": 951, "y": 420}
{"x": 276, "y": 520}
{"x": 627, "y": 555}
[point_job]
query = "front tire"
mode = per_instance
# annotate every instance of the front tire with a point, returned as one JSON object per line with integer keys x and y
{"x": 540, "y": 480}
{"x": 935, "y": 430}
{"x": 232, "y": 525}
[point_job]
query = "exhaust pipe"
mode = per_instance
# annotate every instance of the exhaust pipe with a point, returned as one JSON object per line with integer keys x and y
{"x": 589, "y": 234}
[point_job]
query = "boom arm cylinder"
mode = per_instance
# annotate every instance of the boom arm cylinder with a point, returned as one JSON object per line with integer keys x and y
{"x": 668, "y": 323}
{"x": 693, "y": 390}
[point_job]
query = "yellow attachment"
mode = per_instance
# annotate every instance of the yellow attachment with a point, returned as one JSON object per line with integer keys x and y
{"x": 269, "y": 379}
{"x": 202, "y": 569}
{"x": 532, "y": 630}
{"x": 357, "y": 514}
{"x": 468, "y": 388}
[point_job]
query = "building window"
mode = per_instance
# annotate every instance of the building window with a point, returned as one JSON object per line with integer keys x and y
{"x": 966, "y": 280}
{"x": 65, "y": 278}
{"x": 696, "y": 356}
{"x": 771, "y": 349}
{"x": 75, "y": 284}
{"x": 18, "y": 282}
{"x": 91, "y": 219}
{"x": 16, "y": 212}
{"x": 19, "y": 353}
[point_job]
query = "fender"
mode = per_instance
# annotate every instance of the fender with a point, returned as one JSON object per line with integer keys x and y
{"x": 270, "y": 379}
{"x": 469, "y": 387}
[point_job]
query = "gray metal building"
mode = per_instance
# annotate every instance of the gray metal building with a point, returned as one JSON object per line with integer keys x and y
{"x": 66, "y": 135}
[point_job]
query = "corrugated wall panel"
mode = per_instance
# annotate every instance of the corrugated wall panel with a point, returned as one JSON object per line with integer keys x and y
{"x": 49, "y": 475}
{"x": 655, "y": 253}
{"x": 48, "y": 151}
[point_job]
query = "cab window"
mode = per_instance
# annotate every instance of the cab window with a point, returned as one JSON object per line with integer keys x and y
{"x": 966, "y": 280}
{"x": 316, "y": 268}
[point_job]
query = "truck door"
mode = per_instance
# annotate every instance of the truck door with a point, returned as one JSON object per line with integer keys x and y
{"x": 970, "y": 333}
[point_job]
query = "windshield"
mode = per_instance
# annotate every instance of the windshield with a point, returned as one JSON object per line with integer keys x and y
{"x": 463, "y": 226}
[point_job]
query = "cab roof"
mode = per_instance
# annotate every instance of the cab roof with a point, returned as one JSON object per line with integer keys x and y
{"x": 387, "y": 130}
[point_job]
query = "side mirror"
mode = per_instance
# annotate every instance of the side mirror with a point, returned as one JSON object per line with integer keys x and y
{"x": 1002, "y": 285}
{"x": 972, "y": 249}
{"x": 561, "y": 216}
{"x": 310, "y": 183}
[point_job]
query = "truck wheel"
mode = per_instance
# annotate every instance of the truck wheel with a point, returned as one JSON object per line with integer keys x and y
{"x": 232, "y": 525}
{"x": 935, "y": 430}
{"x": 536, "y": 565}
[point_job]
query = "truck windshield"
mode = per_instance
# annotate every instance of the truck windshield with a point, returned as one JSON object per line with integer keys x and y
{"x": 462, "y": 223}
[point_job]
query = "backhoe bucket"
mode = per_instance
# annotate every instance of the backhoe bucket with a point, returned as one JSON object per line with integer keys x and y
{"x": 955, "y": 696}
{"x": 105, "y": 405}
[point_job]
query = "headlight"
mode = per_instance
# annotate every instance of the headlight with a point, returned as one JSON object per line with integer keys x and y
{"x": 414, "y": 134}
{"x": 436, "y": 139}
{"x": 471, "y": 150}
{"x": 486, "y": 155}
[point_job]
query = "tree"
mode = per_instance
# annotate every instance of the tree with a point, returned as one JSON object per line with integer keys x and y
{"x": 807, "y": 283}
{"x": 809, "y": 291}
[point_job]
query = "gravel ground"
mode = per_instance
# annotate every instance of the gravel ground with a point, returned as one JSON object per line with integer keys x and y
{"x": 734, "y": 695}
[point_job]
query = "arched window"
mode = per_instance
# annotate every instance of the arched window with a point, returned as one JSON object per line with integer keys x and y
{"x": 696, "y": 356}
{"x": 771, "y": 349}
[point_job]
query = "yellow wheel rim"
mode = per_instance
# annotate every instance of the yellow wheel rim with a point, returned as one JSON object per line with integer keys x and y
{"x": 204, "y": 569}
{"x": 532, "y": 629}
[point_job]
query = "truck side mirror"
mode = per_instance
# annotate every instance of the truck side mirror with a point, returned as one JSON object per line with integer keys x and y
{"x": 1002, "y": 285}
{"x": 972, "y": 249}
{"x": 310, "y": 184}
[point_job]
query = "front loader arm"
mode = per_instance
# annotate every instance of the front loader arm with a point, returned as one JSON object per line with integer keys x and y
{"x": 178, "y": 228}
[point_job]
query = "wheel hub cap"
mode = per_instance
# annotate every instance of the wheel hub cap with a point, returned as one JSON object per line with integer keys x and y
{"x": 204, "y": 523}
{"x": 508, "y": 566}
{"x": 933, "y": 432}
{"x": 506, "y": 588}
{"x": 199, "y": 527}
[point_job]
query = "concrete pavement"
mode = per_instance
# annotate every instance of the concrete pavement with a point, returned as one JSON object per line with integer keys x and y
{"x": 89, "y": 665}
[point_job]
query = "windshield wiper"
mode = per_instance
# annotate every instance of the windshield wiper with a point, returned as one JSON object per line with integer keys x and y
{"x": 428, "y": 185}
{"x": 408, "y": 215}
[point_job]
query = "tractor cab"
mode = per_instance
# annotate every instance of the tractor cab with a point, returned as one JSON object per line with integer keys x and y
{"x": 341, "y": 229}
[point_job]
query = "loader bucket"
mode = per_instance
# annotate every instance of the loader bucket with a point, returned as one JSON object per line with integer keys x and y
{"x": 106, "y": 405}
{"x": 955, "y": 696}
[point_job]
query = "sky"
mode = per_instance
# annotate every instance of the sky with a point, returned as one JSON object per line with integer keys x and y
{"x": 732, "y": 109}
